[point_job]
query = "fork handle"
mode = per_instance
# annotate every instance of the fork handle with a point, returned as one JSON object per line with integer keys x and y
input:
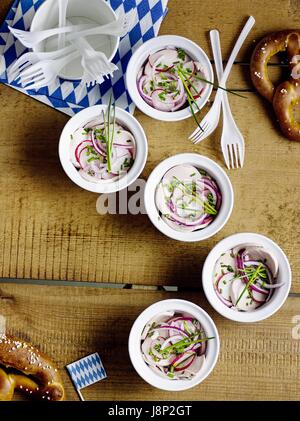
{"x": 62, "y": 62}
{"x": 217, "y": 54}
{"x": 62, "y": 16}
{"x": 243, "y": 35}
{"x": 111, "y": 28}
{"x": 80, "y": 43}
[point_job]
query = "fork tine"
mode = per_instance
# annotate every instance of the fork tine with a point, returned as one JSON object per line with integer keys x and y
{"x": 198, "y": 137}
{"x": 38, "y": 84}
{"x": 14, "y": 74}
{"x": 18, "y": 63}
{"x": 31, "y": 70}
{"x": 34, "y": 79}
{"x": 234, "y": 146}
{"x": 225, "y": 155}
{"x": 201, "y": 133}
{"x": 30, "y": 78}
{"x": 241, "y": 155}
{"x": 195, "y": 132}
{"x": 231, "y": 156}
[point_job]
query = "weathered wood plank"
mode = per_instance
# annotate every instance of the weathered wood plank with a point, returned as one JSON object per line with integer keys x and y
{"x": 50, "y": 229}
{"x": 194, "y": 19}
{"x": 257, "y": 362}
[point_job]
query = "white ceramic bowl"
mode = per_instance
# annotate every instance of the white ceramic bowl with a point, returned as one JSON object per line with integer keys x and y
{"x": 141, "y": 55}
{"x": 134, "y": 344}
{"x": 97, "y": 12}
{"x": 215, "y": 171}
{"x": 105, "y": 186}
{"x": 280, "y": 294}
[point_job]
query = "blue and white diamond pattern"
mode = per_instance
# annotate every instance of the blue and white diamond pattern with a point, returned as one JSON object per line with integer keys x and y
{"x": 87, "y": 371}
{"x": 68, "y": 96}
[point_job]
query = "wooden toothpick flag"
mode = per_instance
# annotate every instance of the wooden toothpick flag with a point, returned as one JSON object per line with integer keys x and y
{"x": 86, "y": 371}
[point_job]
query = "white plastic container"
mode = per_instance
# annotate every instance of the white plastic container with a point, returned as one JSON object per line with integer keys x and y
{"x": 141, "y": 55}
{"x": 279, "y": 295}
{"x": 134, "y": 344}
{"x": 97, "y": 12}
{"x": 213, "y": 170}
{"x": 105, "y": 186}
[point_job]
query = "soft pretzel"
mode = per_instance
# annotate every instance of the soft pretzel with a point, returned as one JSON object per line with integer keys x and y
{"x": 25, "y": 368}
{"x": 285, "y": 96}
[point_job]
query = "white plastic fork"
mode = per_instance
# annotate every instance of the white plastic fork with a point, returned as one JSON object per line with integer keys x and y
{"x": 30, "y": 58}
{"x": 30, "y": 39}
{"x": 44, "y": 72}
{"x": 94, "y": 62}
{"x": 232, "y": 141}
{"x": 118, "y": 27}
{"x": 211, "y": 120}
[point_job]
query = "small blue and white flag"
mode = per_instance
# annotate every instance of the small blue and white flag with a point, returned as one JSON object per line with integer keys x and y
{"x": 86, "y": 371}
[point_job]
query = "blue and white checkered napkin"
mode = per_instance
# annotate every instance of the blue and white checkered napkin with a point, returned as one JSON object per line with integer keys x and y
{"x": 64, "y": 95}
{"x": 87, "y": 371}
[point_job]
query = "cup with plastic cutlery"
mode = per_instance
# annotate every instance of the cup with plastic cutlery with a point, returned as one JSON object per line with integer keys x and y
{"x": 95, "y": 63}
{"x": 36, "y": 75}
{"x": 98, "y": 13}
{"x": 211, "y": 120}
{"x": 232, "y": 141}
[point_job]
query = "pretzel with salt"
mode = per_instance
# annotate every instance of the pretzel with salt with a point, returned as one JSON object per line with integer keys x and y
{"x": 286, "y": 95}
{"x": 23, "y": 367}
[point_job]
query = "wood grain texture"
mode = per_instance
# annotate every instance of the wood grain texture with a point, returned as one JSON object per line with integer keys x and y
{"x": 257, "y": 362}
{"x": 194, "y": 19}
{"x": 49, "y": 228}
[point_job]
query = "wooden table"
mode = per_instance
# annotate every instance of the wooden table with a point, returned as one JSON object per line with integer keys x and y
{"x": 51, "y": 234}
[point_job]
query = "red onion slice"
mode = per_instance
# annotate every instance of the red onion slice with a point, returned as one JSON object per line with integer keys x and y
{"x": 79, "y": 148}
{"x": 167, "y": 360}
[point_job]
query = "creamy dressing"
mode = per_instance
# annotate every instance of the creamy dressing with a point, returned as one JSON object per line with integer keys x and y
{"x": 245, "y": 276}
{"x": 187, "y": 198}
{"x": 168, "y": 78}
{"x": 174, "y": 345}
{"x": 88, "y": 151}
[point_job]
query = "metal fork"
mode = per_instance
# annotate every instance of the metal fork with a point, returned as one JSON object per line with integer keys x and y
{"x": 232, "y": 141}
{"x": 211, "y": 120}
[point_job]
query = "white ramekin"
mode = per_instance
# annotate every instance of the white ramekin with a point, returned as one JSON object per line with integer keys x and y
{"x": 106, "y": 186}
{"x": 215, "y": 171}
{"x": 78, "y": 11}
{"x": 134, "y": 344}
{"x": 139, "y": 58}
{"x": 280, "y": 294}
